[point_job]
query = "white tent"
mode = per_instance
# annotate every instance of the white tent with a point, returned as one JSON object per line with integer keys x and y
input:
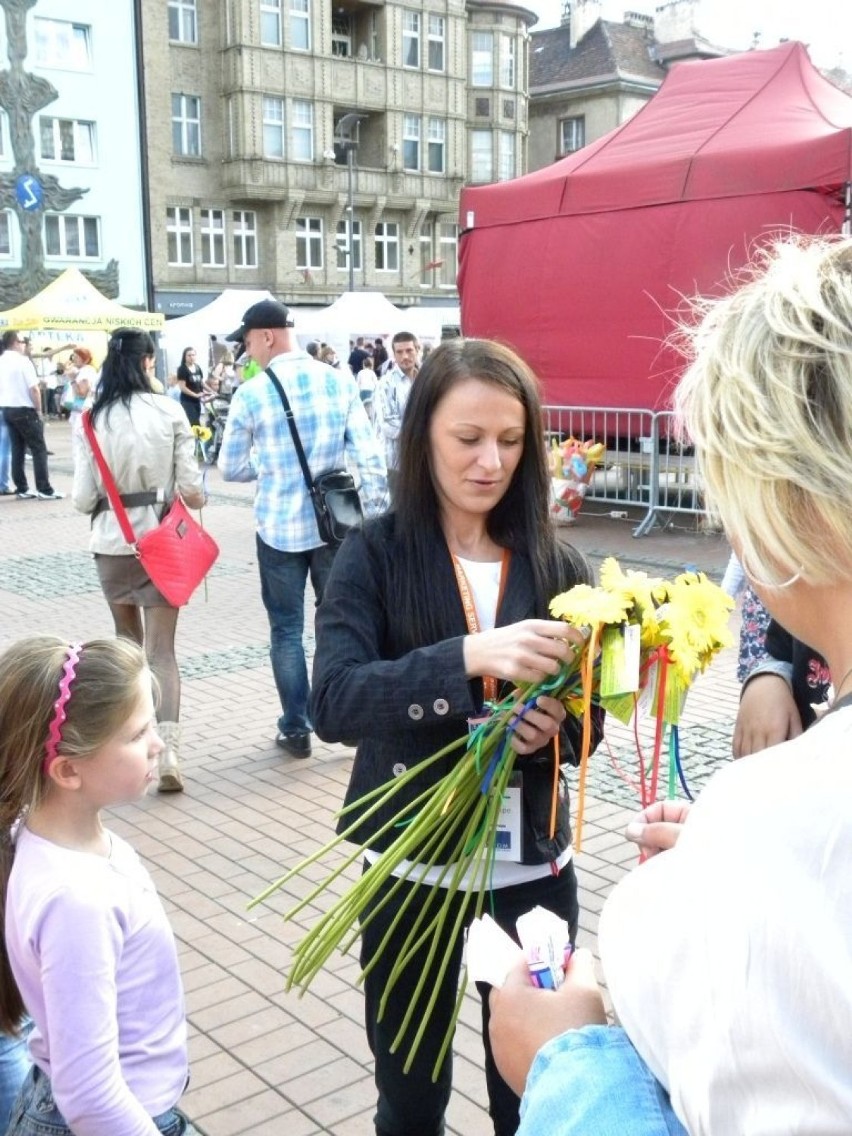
{"x": 218, "y": 318}
{"x": 370, "y": 314}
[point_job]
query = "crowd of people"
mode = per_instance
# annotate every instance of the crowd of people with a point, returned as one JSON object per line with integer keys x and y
{"x": 726, "y": 952}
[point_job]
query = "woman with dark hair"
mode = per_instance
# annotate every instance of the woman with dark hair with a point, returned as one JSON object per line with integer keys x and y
{"x": 192, "y": 386}
{"x": 149, "y": 448}
{"x": 430, "y": 612}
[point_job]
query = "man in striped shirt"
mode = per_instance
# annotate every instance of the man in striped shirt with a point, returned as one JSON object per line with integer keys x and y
{"x": 335, "y": 433}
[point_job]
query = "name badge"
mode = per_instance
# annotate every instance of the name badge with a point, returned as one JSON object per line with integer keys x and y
{"x": 507, "y": 839}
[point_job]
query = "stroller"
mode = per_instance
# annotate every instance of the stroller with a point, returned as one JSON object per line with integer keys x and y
{"x": 217, "y": 416}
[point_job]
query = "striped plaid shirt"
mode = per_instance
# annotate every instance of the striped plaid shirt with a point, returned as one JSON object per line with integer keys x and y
{"x": 335, "y": 433}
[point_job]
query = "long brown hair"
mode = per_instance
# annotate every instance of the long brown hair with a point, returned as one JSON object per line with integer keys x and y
{"x": 520, "y": 521}
{"x": 103, "y": 695}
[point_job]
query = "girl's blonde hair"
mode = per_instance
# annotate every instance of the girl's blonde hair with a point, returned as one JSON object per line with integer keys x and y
{"x": 767, "y": 400}
{"x": 104, "y": 693}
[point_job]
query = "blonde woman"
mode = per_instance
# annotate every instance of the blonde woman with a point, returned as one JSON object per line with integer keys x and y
{"x": 729, "y": 954}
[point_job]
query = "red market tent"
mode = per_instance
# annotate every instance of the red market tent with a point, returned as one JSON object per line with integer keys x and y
{"x": 582, "y": 266}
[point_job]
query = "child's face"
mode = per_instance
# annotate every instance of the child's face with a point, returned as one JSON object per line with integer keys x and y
{"x": 123, "y": 768}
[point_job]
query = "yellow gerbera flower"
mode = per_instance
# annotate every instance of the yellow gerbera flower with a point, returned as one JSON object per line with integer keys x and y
{"x": 585, "y": 606}
{"x": 202, "y": 433}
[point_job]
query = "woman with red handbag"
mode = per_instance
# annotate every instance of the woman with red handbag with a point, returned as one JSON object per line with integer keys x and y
{"x": 147, "y": 443}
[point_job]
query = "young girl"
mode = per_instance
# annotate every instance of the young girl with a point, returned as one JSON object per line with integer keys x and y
{"x": 88, "y": 949}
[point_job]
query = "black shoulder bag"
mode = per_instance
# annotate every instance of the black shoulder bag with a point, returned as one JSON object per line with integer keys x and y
{"x": 337, "y": 505}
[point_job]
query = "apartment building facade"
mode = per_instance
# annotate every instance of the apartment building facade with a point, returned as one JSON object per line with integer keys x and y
{"x": 306, "y": 145}
{"x": 70, "y": 185}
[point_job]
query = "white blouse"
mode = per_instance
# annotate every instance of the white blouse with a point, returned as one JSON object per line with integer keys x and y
{"x": 729, "y": 958}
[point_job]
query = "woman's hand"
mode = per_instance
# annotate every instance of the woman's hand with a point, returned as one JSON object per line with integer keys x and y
{"x": 659, "y": 826}
{"x": 524, "y": 1018}
{"x": 540, "y": 723}
{"x": 529, "y": 651}
{"x": 767, "y": 715}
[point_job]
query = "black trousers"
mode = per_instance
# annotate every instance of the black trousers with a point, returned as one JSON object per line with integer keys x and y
{"x": 26, "y": 430}
{"x": 410, "y": 1104}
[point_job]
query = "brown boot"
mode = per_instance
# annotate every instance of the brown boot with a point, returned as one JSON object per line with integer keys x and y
{"x": 169, "y": 766}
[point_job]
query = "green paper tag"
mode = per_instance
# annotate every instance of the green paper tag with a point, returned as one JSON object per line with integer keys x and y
{"x": 620, "y": 660}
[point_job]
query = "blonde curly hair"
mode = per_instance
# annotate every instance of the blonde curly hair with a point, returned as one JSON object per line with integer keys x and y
{"x": 767, "y": 401}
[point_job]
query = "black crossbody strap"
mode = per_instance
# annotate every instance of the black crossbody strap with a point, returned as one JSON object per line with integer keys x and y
{"x": 291, "y": 422}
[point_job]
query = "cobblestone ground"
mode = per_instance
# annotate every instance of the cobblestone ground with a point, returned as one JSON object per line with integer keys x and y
{"x": 264, "y": 1061}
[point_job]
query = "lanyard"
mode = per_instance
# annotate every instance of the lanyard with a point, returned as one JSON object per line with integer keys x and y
{"x": 489, "y": 683}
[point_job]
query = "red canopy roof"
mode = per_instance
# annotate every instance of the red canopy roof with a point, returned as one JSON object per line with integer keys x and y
{"x": 727, "y": 153}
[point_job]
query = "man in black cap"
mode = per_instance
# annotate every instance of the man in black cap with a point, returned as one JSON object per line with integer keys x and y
{"x": 335, "y": 432}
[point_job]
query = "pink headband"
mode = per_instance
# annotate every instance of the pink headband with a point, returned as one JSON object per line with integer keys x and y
{"x": 54, "y": 733}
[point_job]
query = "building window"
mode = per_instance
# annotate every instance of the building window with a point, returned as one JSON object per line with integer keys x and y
{"x": 448, "y": 254}
{"x": 508, "y": 69}
{"x": 341, "y": 34}
{"x": 6, "y": 234}
{"x": 308, "y": 242}
{"x": 410, "y": 38}
{"x": 63, "y": 45}
{"x": 179, "y": 235}
{"x": 244, "y": 233}
{"x": 270, "y": 23}
{"x": 183, "y": 21}
{"x": 303, "y": 131}
{"x": 508, "y": 161}
{"x": 387, "y": 246}
{"x": 186, "y": 125}
{"x": 71, "y": 238}
{"x": 437, "y": 145}
{"x": 273, "y": 127}
{"x": 481, "y": 156}
{"x": 482, "y": 59}
{"x": 300, "y": 25}
{"x": 347, "y": 244}
{"x": 66, "y": 140}
{"x": 411, "y": 142}
{"x": 213, "y": 238}
{"x": 572, "y": 134}
{"x": 437, "y": 38}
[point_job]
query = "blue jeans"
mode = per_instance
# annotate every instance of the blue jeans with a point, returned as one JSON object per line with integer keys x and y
{"x": 5, "y": 453}
{"x": 36, "y": 1114}
{"x": 593, "y": 1080}
{"x": 282, "y": 588}
{"x": 14, "y": 1065}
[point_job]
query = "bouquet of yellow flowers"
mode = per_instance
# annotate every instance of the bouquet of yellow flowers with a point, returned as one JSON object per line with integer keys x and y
{"x": 645, "y": 640}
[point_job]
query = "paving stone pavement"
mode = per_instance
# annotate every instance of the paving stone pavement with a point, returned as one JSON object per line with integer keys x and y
{"x": 264, "y": 1061}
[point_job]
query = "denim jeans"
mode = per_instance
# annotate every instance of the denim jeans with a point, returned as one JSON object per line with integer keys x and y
{"x": 5, "y": 453}
{"x": 36, "y": 1114}
{"x": 26, "y": 430}
{"x": 593, "y": 1080}
{"x": 14, "y": 1065}
{"x": 282, "y": 588}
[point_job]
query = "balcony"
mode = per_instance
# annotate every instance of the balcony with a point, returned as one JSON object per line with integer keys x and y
{"x": 259, "y": 179}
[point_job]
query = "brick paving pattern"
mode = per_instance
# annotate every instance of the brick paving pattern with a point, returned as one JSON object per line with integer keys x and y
{"x": 262, "y": 1060}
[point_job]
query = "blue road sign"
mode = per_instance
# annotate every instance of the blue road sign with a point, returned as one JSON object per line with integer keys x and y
{"x": 29, "y": 192}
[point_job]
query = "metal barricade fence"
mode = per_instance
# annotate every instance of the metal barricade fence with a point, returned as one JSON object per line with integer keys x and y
{"x": 644, "y": 465}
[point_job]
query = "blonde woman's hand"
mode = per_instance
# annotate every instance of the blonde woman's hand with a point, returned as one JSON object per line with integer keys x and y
{"x": 529, "y": 651}
{"x": 524, "y": 1018}
{"x": 658, "y": 827}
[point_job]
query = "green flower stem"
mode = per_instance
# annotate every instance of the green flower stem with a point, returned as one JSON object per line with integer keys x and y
{"x": 386, "y": 791}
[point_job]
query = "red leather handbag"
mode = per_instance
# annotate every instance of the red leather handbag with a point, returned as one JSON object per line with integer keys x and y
{"x": 178, "y": 554}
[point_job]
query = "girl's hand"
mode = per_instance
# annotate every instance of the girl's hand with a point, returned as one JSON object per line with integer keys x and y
{"x": 659, "y": 826}
{"x": 540, "y": 723}
{"x": 524, "y": 1018}
{"x": 529, "y": 651}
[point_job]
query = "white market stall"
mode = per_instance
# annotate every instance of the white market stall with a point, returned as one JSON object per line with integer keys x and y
{"x": 218, "y": 318}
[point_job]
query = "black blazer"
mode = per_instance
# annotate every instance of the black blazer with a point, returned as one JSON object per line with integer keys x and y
{"x": 399, "y": 705}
